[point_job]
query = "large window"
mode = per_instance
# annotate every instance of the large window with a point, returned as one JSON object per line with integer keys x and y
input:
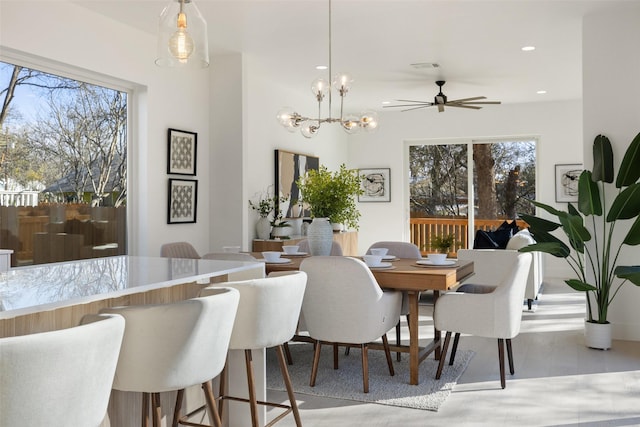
{"x": 63, "y": 174}
{"x": 460, "y": 188}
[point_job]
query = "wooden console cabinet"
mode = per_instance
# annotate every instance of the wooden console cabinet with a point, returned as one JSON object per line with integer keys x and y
{"x": 348, "y": 240}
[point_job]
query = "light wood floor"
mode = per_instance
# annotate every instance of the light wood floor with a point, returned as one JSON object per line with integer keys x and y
{"x": 558, "y": 381}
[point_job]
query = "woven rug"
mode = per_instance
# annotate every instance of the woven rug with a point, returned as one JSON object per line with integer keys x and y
{"x": 346, "y": 382}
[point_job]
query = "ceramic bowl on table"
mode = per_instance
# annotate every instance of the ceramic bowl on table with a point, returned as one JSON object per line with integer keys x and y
{"x": 379, "y": 251}
{"x": 437, "y": 259}
{"x": 290, "y": 249}
{"x": 372, "y": 260}
{"x": 271, "y": 256}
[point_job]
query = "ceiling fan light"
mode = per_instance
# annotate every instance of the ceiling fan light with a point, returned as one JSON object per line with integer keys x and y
{"x": 182, "y": 36}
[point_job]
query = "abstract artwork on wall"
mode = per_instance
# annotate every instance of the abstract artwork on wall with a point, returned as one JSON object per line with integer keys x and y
{"x": 288, "y": 168}
{"x": 183, "y": 201}
{"x": 567, "y": 177}
{"x": 375, "y": 185}
{"x": 181, "y": 152}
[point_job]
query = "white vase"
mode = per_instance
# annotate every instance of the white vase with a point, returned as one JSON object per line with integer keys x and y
{"x": 337, "y": 226}
{"x": 281, "y": 231}
{"x": 320, "y": 236}
{"x": 263, "y": 228}
{"x": 597, "y": 335}
{"x": 296, "y": 226}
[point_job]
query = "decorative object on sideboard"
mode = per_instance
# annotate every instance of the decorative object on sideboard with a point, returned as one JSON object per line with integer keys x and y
{"x": 183, "y": 201}
{"x": 593, "y": 254}
{"x": 182, "y": 36}
{"x": 320, "y": 236}
{"x": 341, "y": 82}
{"x": 375, "y": 185}
{"x": 181, "y": 152}
{"x": 265, "y": 205}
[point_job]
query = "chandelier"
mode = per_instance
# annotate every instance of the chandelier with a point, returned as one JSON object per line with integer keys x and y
{"x": 182, "y": 36}
{"x": 321, "y": 88}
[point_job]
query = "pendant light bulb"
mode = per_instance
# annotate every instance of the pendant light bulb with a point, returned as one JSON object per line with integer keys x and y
{"x": 181, "y": 44}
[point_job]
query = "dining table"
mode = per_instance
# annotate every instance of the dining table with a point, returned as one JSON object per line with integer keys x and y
{"x": 407, "y": 275}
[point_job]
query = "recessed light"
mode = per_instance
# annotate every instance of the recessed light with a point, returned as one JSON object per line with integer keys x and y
{"x": 321, "y": 67}
{"x": 528, "y": 48}
{"x": 541, "y": 92}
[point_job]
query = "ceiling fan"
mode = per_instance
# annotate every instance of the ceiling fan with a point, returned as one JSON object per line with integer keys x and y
{"x": 440, "y": 100}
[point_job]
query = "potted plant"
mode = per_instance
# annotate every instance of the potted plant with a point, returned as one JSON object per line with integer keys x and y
{"x": 332, "y": 195}
{"x": 594, "y": 258}
{"x": 265, "y": 205}
{"x": 443, "y": 243}
{"x": 331, "y": 198}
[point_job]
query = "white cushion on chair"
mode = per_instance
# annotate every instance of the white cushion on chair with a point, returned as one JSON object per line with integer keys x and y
{"x": 269, "y": 310}
{"x": 60, "y": 378}
{"x": 344, "y": 303}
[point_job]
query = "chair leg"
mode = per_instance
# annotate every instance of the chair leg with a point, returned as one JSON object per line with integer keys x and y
{"x": 454, "y": 348}
{"x": 253, "y": 401}
{"x": 211, "y": 404}
{"x": 335, "y": 356}
{"x": 398, "y": 341}
{"x": 156, "y": 409}
{"x": 316, "y": 361}
{"x": 510, "y": 356}
{"x": 387, "y": 353}
{"x": 145, "y": 409}
{"x": 443, "y": 355}
{"x": 176, "y": 411}
{"x": 288, "y": 353}
{"x": 222, "y": 390}
{"x": 365, "y": 367}
{"x": 501, "y": 360}
{"x": 289, "y": 386}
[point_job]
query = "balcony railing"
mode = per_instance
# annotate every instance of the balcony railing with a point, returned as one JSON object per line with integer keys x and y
{"x": 422, "y": 230}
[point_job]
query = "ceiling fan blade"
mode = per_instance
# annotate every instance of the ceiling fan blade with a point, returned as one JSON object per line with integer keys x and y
{"x": 415, "y": 108}
{"x": 422, "y": 104}
{"x": 440, "y": 108}
{"x": 482, "y": 102}
{"x": 467, "y": 99}
{"x": 463, "y": 106}
{"x": 418, "y": 102}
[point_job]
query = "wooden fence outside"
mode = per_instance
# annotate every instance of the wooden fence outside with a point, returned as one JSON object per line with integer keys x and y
{"x": 422, "y": 230}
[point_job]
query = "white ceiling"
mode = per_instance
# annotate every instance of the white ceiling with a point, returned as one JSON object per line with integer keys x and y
{"x": 477, "y": 43}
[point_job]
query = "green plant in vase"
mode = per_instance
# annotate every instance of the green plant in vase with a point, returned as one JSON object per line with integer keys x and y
{"x": 443, "y": 243}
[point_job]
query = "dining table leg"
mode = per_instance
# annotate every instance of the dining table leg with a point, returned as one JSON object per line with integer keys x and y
{"x": 414, "y": 347}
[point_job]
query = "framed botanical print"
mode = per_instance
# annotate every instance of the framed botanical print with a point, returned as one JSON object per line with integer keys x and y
{"x": 183, "y": 201}
{"x": 375, "y": 185}
{"x": 567, "y": 177}
{"x": 288, "y": 168}
{"x": 181, "y": 153}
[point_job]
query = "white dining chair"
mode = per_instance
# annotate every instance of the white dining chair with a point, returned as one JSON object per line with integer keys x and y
{"x": 229, "y": 256}
{"x": 267, "y": 317}
{"x": 486, "y": 311}
{"x": 401, "y": 250}
{"x": 336, "y": 249}
{"x": 344, "y": 304}
{"x": 179, "y": 250}
{"x": 60, "y": 378}
{"x": 169, "y": 347}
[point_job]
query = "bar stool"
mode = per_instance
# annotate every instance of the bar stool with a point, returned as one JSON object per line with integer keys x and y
{"x": 60, "y": 378}
{"x": 267, "y": 317}
{"x": 169, "y": 347}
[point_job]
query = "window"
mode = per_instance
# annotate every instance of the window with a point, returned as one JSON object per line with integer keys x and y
{"x": 63, "y": 174}
{"x": 459, "y": 188}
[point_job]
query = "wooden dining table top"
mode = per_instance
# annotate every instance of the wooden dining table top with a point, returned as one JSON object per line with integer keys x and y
{"x": 404, "y": 274}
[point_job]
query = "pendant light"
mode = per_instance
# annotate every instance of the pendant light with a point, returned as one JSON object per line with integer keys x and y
{"x": 182, "y": 36}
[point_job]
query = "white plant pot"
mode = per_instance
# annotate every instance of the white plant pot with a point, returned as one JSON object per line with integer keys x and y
{"x": 281, "y": 231}
{"x": 263, "y": 228}
{"x": 337, "y": 226}
{"x": 597, "y": 335}
{"x": 320, "y": 236}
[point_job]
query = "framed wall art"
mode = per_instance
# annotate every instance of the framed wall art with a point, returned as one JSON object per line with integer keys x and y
{"x": 181, "y": 153}
{"x": 288, "y": 168}
{"x": 183, "y": 201}
{"x": 375, "y": 184}
{"x": 567, "y": 177}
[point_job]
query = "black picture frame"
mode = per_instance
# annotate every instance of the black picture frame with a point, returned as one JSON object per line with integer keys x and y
{"x": 290, "y": 166}
{"x": 567, "y": 176}
{"x": 182, "y": 205}
{"x": 182, "y": 151}
{"x": 375, "y": 184}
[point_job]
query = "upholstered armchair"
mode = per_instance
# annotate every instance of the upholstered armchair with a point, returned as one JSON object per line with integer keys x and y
{"x": 484, "y": 309}
{"x": 344, "y": 304}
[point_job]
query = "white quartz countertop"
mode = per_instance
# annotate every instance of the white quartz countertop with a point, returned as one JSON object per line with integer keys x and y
{"x": 42, "y": 287}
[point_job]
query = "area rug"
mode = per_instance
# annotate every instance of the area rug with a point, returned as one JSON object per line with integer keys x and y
{"x": 346, "y": 382}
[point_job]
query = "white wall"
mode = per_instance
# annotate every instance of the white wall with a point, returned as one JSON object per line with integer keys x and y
{"x": 64, "y": 35}
{"x": 611, "y": 91}
{"x": 557, "y": 125}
